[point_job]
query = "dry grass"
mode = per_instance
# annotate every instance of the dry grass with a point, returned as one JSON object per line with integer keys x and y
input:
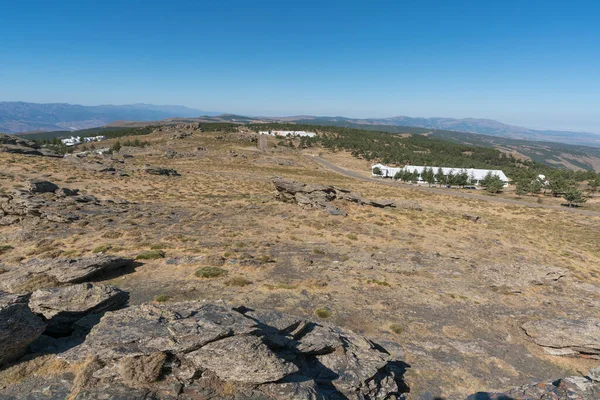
{"x": 374, "y": 266}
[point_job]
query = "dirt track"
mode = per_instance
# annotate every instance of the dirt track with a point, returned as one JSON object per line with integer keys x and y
{"x": 356, "y": 175}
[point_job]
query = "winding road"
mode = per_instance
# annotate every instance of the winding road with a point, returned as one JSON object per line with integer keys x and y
{"x": 356, "y": 175}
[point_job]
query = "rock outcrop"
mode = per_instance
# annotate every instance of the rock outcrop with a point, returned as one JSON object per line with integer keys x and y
{"x": 44, "y": 200}
{"x": 19, "y": 327}
{"x": 571, "y": 388}
{"x": 18, "y": 145}
{"x": 195, "y": 350}
{"x": 566, "y": 337}
{"x": 63, "y": 306}
{"x": 38, "y": 274}
{"x": 320, "y": 196}
{"x": 161, "y": 171}
{"x": 41, "y": 186}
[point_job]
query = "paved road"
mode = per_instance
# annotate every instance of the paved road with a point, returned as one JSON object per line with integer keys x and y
{"x": 356, "y": 175}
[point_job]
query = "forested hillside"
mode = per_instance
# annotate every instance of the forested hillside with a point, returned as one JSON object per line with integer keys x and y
{"x": 418, "y": 149}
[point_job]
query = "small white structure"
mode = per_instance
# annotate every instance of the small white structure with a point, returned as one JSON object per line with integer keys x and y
{"x": 94, "y": 139}
{"x": 72, "y": 141}
{"x": 75, "y": 140}
{"x": 475, "y": 175}
{"x": 288, "y": 133}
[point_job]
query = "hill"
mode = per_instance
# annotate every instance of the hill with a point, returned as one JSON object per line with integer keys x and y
{"x": 17, "y": 117}
{"x": 453, "y": 301}
{"x": 469, "y": 125}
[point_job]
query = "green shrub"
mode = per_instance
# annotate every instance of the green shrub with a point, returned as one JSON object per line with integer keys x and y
{"x": 323, "y": 312}
{"x": 396, "y": 328}
{"x": 380, "y": 283}
{"x": 352, "y": 236}
{"x": 265, "y": 259}
{"x": 102, "y": 248}
{"x": 238, "y": 281}
{"x": 162, "y": 298}
{"x": 150, "y": 255}
{"x": 210, "y": 272}
{"x": 5, "y": 248}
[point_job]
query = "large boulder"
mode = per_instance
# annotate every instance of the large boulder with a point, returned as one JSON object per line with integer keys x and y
{"x": 566, "y": 337}
{"x": 320, "y": 196}
{"x": 40, "y": 186}
{"x": 38, "y": 274}
{"x": 571, "y": 388}
{"x": 18, "y": 327}
{"x": 64, "y": 306}
{"x": 204, "y": 350}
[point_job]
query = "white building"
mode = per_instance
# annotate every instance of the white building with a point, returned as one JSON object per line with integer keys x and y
{"x": 288, "y": 133}
{"x": 94, "y": 139}
{"x": 475, "y": 175}
{"x": 72, "y": 141}
{"x": 75, "y": 140}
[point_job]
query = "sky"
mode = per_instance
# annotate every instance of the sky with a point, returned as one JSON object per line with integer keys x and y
{"x": 527, "y": 62}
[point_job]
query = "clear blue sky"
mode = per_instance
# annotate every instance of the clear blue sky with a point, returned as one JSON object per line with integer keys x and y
{"x": 527, "y": 62}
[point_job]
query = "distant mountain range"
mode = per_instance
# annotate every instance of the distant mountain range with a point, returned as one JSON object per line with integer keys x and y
{"x": 17, "y": 117}
{"x": 469, "y": 125}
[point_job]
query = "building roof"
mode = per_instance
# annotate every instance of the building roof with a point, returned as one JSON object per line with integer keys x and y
{"x": 476, "y": 173}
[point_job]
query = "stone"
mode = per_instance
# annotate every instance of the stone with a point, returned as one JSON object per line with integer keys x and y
{"x": 38, "y": 274}
{"x": 471, "y": 217}
{"x": 382, "y": 203}
{"x": 140, "y": 370}
{"x": 332, "y": 210}
{"x": 594, "y": 374}
{"x": 18, "y": 145}
{"x": 161, "y": 171}
{"x": 243, "y": 359}
{"x": 320, "y": 196}
{"x": 566, "y": 337}
{"x": 146, "y": 329}
{"x": 18, "y": 327}
{"x": 574, "y": 387}
{"x": 40, "y": 186}
{"x": 62, "y": 307}
{"x": 203, "y": 350}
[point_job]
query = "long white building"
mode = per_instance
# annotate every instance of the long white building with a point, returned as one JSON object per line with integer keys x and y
{"x": 288, "y": 133}
{"x": 476, "y": 175}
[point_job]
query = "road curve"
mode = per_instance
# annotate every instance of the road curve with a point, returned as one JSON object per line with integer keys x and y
{"x": 355, "y": 175}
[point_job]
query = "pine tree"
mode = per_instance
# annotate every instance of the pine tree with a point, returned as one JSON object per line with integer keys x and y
{"x": 439, "y": 176}
{"x": 574, "y": 196}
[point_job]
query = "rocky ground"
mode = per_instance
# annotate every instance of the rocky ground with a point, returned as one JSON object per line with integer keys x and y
{"x": 475, "y": 304}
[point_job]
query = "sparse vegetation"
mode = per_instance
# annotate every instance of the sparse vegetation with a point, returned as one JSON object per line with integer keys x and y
{"x": 150, "y": 255}
{"x": 162, "y": 298}
{"x": 210, "y": 272}
{"x": 396, "y": 328}
{"x": 4, "y": 248}
{"x": 238, "y": 281}
{"x": 323, "y": 312}
{"x": 103, "y": 248}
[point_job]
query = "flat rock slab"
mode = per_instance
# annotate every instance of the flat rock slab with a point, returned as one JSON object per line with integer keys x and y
{"x": 519, "y": 276}
{"x": 18, "y": 327}
{"x": 566, "y": 337}
{"x": 319, "y": 196}
{"x": 39, "y": 274}
{"x": 571, "y": 388}
{"x": 242, "y": 359}
{"x": 64, "y": 306}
